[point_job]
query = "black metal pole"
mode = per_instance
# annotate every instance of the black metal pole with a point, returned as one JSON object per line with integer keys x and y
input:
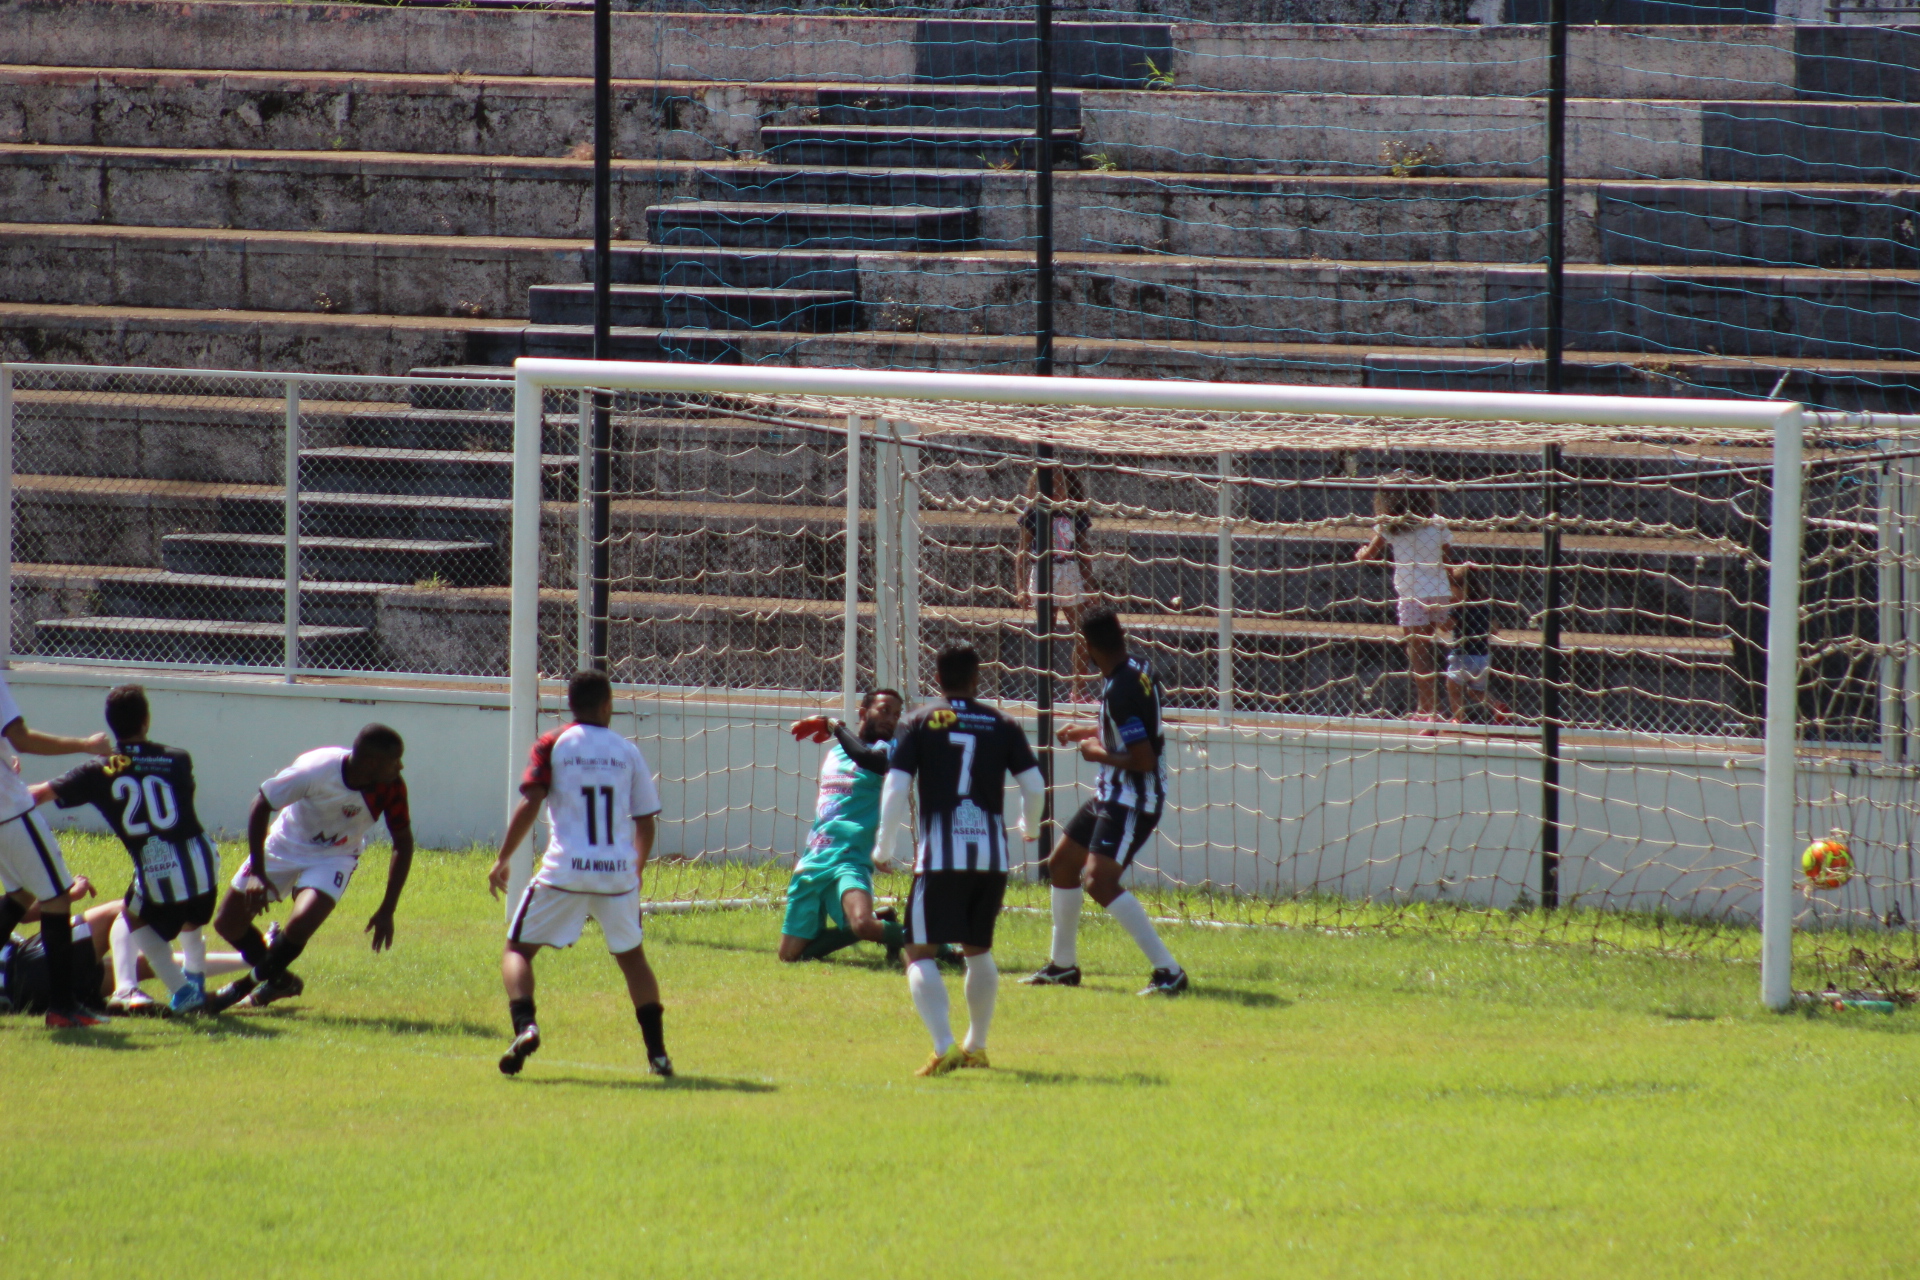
{"x": 1043, "y": 367}
{"x": 600, "y": 478}
{"x": 1552, "y": 675}
{"x": 1043, "y": 182}
{"x": 1556, "y": 189}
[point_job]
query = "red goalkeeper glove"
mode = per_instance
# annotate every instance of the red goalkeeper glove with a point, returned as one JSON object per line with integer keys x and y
{"x": 818, "y": 728}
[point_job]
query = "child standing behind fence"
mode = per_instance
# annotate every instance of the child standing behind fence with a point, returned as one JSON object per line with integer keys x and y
{"x": 1420, "y": 543}
{"x": 1470, "y": 660}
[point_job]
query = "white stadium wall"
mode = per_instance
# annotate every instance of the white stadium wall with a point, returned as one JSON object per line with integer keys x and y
{"x": 1332, "y": 810}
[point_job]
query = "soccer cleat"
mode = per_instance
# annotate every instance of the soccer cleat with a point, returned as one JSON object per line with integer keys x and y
{"x": 1166, "y": 982}
{"x": 950, "y": 957}
{"x": 231, "y": 994}
{"x": 284, "y": 987}
{"x": 974, "y": 1058}
{"x": 661, "y": 1066}
{"x": 1053, "y": 976}
{"x": 524, "y": 1046}
{"x": 190, "y": 998}
{"x": 132, "y": 1002}
{"x": 939, "y": 1064}
{"x": 75, "y": 1016}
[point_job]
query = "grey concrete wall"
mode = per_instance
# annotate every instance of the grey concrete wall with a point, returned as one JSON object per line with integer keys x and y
{"x": 461, "y": 276}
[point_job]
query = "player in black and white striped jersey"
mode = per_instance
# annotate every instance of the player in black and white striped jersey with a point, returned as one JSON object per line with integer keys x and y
{"x": 1100, "y": 841}
{"x": 960, "y": 751}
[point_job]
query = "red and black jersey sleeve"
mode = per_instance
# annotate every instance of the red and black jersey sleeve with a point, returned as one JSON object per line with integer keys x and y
{"x": 389, "y": 801}
{"x": 540, "y": 762}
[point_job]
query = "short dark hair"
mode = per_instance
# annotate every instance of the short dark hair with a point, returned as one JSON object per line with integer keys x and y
{"x": 379, "y": 740}
{"x": 874, "y": 695}
{"x": 127, "y": 712}
{"x": 956, "y": 664}
{"x": 588, "y": 691}
{"x": 1101, "y": 629}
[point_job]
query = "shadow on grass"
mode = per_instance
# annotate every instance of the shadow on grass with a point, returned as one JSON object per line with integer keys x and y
{"x": 391, "y": 1025}
{"x": 1237, "y": 995}
{"x": 85, "y": 1038}
{"x": 234, "y": 1029}
{"x": 681, "y": 1084}
{"x": 1119, "y": 1079}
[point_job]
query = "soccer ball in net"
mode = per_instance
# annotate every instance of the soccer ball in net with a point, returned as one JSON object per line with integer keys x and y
{"x": 1827, "y": 863}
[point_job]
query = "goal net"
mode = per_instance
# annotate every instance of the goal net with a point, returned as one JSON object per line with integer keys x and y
{"x": 1429, "y": 661}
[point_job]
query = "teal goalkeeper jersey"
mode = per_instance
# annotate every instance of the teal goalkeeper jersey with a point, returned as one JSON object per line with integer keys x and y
{"x": 845, "y": 816}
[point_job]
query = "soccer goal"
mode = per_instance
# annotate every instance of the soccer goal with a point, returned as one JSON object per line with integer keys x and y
{"x": 1586, "y": 667}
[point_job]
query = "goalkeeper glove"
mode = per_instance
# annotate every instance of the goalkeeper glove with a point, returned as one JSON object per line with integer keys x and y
{"x": 818, "y": 728}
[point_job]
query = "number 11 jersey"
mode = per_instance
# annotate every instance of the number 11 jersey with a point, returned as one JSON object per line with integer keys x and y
{"x": 597, "y": 783}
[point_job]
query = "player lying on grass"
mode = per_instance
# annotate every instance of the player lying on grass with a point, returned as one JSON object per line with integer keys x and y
{"x": 830, "y": 898}
{"x": 23, "y": 961}
{"x": 327, "y": 802}
{"x": 961, "y": 751}
{"x": 1099, "y": 842}
{"x": 32, "y": 869}
{"x": 145, "y": 792}
{"x": 594, "y": 783}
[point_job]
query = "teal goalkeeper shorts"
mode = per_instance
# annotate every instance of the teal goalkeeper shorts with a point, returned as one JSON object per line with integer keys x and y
{"x": 813, "y": 897}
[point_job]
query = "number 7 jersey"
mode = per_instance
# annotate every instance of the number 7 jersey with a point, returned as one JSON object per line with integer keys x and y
{"x": 961, "y": 753}
{"x": 597, "y": 783}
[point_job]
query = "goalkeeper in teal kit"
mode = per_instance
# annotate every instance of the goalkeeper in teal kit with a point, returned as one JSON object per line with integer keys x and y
{"x": 830, "y": 898}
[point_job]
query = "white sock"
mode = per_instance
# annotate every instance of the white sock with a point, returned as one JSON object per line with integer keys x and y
{"x": 983, "y": 986}
{"x": 1133, "y": 918}
{"x": 193, "y": 952}
{"x": 930, "y": 999}
{"x": 1066, "y": 927}
{"x": 159, "y": 957}
{"x": 126, "y": 961}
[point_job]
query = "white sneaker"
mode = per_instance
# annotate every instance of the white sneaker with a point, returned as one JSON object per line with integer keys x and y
{"x": 133, "y": 1002}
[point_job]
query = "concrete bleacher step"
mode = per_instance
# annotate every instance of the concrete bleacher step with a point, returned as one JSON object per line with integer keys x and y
{"x": 429, "y": 473}
{"x": 736, "y": 268}
{"x": 229, "y": 598}
{"x": 700, "y": 306}
{"x": 374, "y": 515}
{"x": 358, "y": 559}
{"x": 753, "y": 225}
{"x": 198, "y": 640}
{"x": 955, "y": 107}
{"x": 914, "y": 146}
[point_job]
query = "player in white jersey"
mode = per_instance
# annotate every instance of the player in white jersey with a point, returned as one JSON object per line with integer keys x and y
{"x": 601, "y": 804}
{"x": 31, "y": 866}
{"x": 327, "y": 802}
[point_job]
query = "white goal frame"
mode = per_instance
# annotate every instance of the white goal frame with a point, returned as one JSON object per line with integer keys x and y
{"x": 1785, "y": 420}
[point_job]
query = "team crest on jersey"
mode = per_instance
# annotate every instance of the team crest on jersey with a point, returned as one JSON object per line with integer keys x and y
{"x": 1146, "y": 684}
{"x": 943, "y": 719}
{"x": 117, "y": 765}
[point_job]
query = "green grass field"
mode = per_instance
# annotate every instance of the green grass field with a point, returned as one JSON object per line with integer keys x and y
{"x": 1321, "y": 1105}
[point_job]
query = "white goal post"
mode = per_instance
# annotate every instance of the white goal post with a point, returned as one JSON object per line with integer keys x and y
{"x": 1782, "y": 423}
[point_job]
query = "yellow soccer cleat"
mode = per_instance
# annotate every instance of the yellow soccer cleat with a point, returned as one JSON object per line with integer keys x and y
{"x": 939, "y": 1064}
{"x": 974, "y": 1058}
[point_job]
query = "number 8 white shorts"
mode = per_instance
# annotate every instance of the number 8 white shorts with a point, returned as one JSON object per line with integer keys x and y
{"x": 550, "y": 917}
{"x": 285, "y": 879}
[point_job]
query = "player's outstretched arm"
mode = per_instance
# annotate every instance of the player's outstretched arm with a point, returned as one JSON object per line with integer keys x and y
{"x": 1033, "y": 799}
{"x": 259, "y": 818}
{"x": 532, "y": 796}
{"x": 893, "y": 812}
{"x": 643, "y": 833}
{"x": 32, "y": 742}
{"x": 398, "y": 868}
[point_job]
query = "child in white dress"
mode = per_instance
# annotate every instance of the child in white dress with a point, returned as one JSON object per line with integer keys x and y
{"x": 1421, "y": 545}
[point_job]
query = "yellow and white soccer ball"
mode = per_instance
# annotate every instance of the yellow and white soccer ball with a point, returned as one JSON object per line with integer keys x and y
{"x": 1827, "y": 863}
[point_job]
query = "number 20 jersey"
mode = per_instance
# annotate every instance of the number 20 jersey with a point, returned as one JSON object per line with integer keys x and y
{"x": 145, "y": 792}
{"x": 597, "y": 783}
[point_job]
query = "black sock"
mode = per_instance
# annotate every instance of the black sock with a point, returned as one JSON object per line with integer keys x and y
{"x": 251, "y": 946}
{"x": 521, "y": 1011}
{"x": 649, "y": 1015}
{"x": 285, "y": 950}
{"x": 829, "y": 941}
{"x": 11, "y": 913}
{"x": 56, "y": 936}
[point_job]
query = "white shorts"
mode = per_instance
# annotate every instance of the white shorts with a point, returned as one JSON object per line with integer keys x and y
{"x": 284, "y": 879}
{"x": 1418, "y": 612}
{"x": 1069, "y": 588}
{"x": 30, "y": 857}
{"x": 1469, "y": 670}
{"x": 550, "y": 917}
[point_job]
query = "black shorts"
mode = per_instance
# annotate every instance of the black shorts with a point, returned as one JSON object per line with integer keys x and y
{"x": 168, "y": 918}
{"x": 1111, "y": 830}
{"x": 959, "y": 907}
